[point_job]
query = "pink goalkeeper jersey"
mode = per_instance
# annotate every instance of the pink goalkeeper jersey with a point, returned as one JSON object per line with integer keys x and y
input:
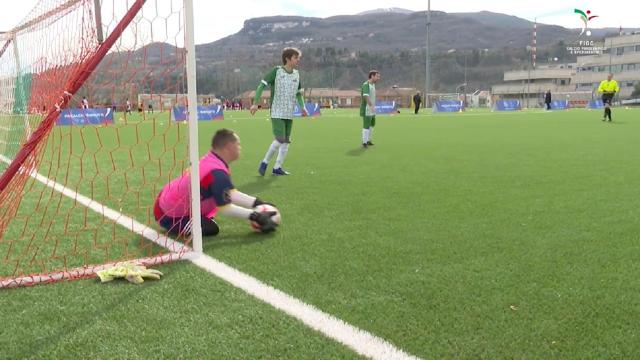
{"x": 175, "y": 196}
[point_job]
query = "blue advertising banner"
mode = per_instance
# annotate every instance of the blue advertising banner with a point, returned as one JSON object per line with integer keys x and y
{"x": 85, "y": 117}
{"x": 448, "y": 106}
{"x": 559, "y": 105}
{"x": 205, "y": 113}
{"x": 595, "y": 104}
{"x": 179, "y": 113}
{"x": 386, "y": 107}
{"x": 313, "y": 109}
{"x": 507, "y": 105}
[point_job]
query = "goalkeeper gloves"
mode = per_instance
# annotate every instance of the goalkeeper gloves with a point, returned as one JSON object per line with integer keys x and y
{"x": 264, "y": 221}
{"x": 259, "y": 202}
{"x": 132, "y": 272}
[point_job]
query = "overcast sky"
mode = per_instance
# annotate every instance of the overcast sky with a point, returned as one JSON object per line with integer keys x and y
{"x": 215, "y": 19}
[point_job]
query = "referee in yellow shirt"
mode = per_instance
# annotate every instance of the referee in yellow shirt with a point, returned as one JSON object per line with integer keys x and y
{"x": 608, "y": 88}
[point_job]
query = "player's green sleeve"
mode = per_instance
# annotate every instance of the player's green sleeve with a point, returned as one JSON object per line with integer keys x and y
{"x": 299, "y": 96}
{"x": 268, "y": 79}
{"x": 300, "y": 100}
{"x": 617, "y": 87}
{"x": 601, "y": 87}
{"x": 256, "y": 99}
{"x": 365, "y": 90}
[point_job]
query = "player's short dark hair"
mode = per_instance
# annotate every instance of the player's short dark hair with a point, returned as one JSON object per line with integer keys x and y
{"x": 373, "y": 73}
{"x": 223, "y": 137}
{"x": 288, "y": 53}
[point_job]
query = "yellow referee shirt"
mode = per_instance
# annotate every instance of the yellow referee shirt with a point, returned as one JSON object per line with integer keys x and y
{"x": 608, "y": 87}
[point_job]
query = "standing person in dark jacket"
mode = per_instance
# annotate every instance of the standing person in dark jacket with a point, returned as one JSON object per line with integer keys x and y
{"x": 547, "y": 99}
{"x": 417, "y": 100}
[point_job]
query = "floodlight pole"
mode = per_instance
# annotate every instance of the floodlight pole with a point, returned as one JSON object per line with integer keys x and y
{"x": 192, "y": 108}
{"x": 610, "y": 51}
{"x": 528, "y": 82}
{"x": 20, "y": 82}
{"x": 465, "y": 79}
{"x": 332, "y": 96}
{"x": 427, "y": 62}
{"x": 98, "y": 18}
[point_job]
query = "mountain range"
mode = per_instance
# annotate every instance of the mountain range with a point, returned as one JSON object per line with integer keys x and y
{"x": 392, "y": 40}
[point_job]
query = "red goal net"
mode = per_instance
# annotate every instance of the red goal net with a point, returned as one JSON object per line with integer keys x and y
{"x": 83, "y": 152}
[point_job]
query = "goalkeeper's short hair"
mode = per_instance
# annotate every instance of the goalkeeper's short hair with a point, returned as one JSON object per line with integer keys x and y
{"x": 222, "y": 137}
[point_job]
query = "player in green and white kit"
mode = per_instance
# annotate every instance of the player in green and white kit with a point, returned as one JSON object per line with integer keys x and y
{"x": 285, "y": 90}
{"x": 368, "y": 107}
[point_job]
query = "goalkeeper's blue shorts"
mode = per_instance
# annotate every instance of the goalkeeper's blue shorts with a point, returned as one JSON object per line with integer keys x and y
{"x": 181, "y": 226}
{"x": 173, "y": 225}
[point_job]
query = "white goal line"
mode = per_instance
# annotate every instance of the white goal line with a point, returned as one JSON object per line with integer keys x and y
{"x": 360, "y": 341}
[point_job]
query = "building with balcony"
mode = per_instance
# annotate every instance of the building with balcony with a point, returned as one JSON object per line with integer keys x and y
{"x": 621, "y": 57}
{"x": 577, "y": 82}
{"x": 528, "y": 86}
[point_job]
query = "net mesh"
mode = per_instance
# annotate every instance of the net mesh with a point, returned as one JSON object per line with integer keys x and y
{"x": 79, "y": 195}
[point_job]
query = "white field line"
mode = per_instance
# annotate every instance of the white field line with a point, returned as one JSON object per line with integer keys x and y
{"x": 360, "y": 341}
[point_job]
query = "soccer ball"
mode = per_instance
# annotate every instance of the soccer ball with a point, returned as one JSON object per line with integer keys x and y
{"x": 265, "y": 208}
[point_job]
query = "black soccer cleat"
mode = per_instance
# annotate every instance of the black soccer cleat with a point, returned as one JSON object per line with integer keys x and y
{"x": 263, "y": 168}
{"x": 369, "y": 143}
{"x": 364, "y": 145}
{"x": 280, "y": 171}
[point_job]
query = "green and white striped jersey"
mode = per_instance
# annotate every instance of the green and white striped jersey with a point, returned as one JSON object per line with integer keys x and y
{"x": 285, "y": 91}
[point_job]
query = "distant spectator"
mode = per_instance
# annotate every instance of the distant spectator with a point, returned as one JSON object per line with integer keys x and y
{"x": 547, "y": 99}
{"x": 417, "y": 100}
{"x": 85, "y": 102}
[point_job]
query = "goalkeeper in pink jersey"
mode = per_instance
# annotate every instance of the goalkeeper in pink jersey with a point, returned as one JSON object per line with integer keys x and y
{"x": 217, "y": 193}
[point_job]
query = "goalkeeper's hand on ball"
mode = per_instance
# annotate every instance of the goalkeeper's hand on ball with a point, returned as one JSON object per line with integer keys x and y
{"x": 264, "y": 221}
{"x": 259, "y": 202}
{"x": 132, "y": 272}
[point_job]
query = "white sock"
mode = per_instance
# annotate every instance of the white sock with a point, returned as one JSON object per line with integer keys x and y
{"x": 370, "y": 134}
{"x": 364, "y": 136}
{"x": 282, "y": 153}
{"x": 272, "y": 149}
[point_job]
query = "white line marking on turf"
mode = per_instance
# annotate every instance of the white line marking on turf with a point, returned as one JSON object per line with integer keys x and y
{"x": 360, "y": 341}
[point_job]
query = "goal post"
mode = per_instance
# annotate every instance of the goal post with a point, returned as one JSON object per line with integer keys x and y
{"x": 78, "y": 185}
